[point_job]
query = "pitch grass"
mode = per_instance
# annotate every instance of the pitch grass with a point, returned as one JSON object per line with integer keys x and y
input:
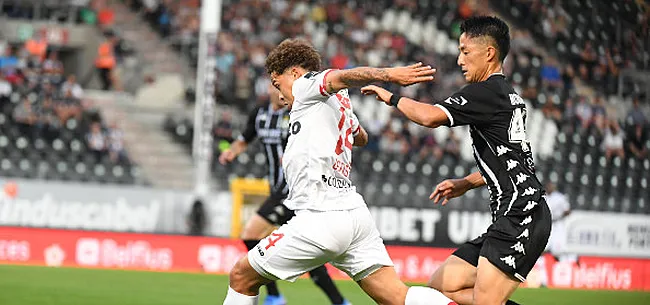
{"x": 23, "y": 285}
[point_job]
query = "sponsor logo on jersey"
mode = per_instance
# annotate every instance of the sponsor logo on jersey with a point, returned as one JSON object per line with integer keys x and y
{"x": 336, "y": 182}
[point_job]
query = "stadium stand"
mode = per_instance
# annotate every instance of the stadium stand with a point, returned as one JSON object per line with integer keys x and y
{"x": 569, "y": 129}
{"x": 48, "y": 129}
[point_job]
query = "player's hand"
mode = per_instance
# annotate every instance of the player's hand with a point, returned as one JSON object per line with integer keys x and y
{"x": 448, "y": 189}
{"x": 226, "y": 156}
{"x": 408, "y": 75}
{"x": 380, "y": 93}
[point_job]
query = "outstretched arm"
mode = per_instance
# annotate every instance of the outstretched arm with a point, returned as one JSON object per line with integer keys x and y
{"x": 421, "y": 113}
{"x": 452, "y": 188}
{"x": 336, "y": 80}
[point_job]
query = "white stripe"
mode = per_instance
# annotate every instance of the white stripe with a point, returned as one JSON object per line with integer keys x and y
{"x": 519, "y": 277}
{"x": 514, "y": 196}
{"x": 451, "y": 118}
{"x": 492, "y": 176}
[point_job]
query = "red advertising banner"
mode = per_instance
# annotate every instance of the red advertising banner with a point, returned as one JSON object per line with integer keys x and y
{"x": 91, "y": 249}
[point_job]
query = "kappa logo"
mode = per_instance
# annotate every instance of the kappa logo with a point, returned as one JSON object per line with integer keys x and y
{"x": 523, "y": 234}
{"x": 526, "y": 221}
{"x": 509, "y": 260}
{"x": 530, "y": 205}
{"x": 511, "y": 164}
{"x": 519, "y": 247}
{"x": 502, "y": 150}
{"x": 530, "y": 191}
{"x": 521, "y": 178}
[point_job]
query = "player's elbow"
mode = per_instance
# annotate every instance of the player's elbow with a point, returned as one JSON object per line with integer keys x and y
{"x": 431, "y": 122}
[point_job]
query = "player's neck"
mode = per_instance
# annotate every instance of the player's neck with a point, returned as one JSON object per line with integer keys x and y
{"x": 491, "y": 70}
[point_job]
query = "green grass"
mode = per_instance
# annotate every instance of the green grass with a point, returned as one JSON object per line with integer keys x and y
{"x": 22, "y": 285}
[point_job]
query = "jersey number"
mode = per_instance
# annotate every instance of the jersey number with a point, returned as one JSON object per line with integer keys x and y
{"x": 517, "y": 130}
{"x": 344, "y": 136}
{"x": 273, "y": 238}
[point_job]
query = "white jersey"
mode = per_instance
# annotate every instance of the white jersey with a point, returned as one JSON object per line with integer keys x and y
{"x": 318, "y": 157}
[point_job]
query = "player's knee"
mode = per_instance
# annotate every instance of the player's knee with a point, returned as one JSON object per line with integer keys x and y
{"x": 486, "y": 297}
{"x": 447, "y": 285}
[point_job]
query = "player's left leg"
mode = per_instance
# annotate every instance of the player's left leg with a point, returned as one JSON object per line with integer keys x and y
{"x": 493, "y": 286}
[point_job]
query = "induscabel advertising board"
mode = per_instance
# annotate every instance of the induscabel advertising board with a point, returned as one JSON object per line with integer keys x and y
{"x": 89, "y": 249}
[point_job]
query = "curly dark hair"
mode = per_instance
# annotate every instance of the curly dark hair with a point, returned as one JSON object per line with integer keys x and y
{"x": 293, "y": 52}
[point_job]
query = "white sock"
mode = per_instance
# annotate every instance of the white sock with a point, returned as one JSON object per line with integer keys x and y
{"x": 235, "y": 298}
{"x": 418, "y": 295}
{"x": 541, "y": 265}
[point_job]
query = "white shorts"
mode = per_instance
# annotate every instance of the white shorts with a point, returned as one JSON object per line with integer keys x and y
{"x": 349, "y": 240}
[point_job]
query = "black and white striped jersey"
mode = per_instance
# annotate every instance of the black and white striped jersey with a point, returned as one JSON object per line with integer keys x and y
{"x": 496, "y": 115}
{"x": 272, "y": 128}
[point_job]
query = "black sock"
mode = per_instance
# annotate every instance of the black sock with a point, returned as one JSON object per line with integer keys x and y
{"x": 271, "y": 288}
{"x": 324, "y": 281}
{"x": 511, "y": 302}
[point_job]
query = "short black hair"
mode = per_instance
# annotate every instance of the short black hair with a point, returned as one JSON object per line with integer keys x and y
{"x": 293, "y": 52}
{"x": 490, "y": 26}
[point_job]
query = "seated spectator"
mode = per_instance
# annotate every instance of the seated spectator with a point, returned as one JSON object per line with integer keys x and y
{"x": 5, "y": 87}
{"x": 635, "y": 116}
{"x": 584, "y": 112}
{"x": 53, "y": 68}
{"x": 223, "y": 128}
{"x": 96, "y": 141}
{"x": 48, "y": 122}
{"x": 550, "y": 74}
{"x": 430, "y": 147}
{"x": 599, "y": 114}
{"x": 116, "y": 150}
{"x": 24, "y": 114}
{"x": 613, "y": 141}
{"x": 8, "y": 61}
{"x": 37, "y": 46}
{"x": 452, "y": 146}
{"x": 636, "y": 142}
{"x": 73, "y": 87}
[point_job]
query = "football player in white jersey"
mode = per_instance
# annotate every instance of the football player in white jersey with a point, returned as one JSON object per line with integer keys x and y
{"x": 332, "y": 222}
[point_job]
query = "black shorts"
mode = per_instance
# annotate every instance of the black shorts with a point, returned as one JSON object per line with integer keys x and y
{"x": 274, "y": 211}
{"x": 510, "y": 246}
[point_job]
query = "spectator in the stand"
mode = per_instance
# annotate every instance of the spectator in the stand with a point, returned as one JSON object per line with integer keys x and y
{"x": 24, "y": 114}
{"x": 551, "y": 111}
{"x": 588, "y": 55}
{"x": 5, "y": 88}
{"x": 550, "y": 74}
{"x": 96, "y": 141}
{"x": 430, "y": 147}
{"x": 636, "y": 142}
{"x": 106, "y": 61}
{"x": 8, "y": 62}
{"x": 613, "y": 141}
{"x": 116, "y": 151}
{"x": 635, "y": 116}
{"x": 223, "y": 128}
{"x": 569, "y": 116}
{"x": 37, "y": 45}
{"x": 72, "y": 87}
{"x": 53, "y": 68}
{"x": 452, "y": 146}
{"x": 599, "y": 115}
{"x": 48, "y": 122}
{"x": 584, "y": 112}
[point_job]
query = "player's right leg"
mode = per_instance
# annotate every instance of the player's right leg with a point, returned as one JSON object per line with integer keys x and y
{"x": 261, "y": 224}
{"x": 244, "y": 285}
{"x": 367, "y": 262}
{"x": 385, "y": 288}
